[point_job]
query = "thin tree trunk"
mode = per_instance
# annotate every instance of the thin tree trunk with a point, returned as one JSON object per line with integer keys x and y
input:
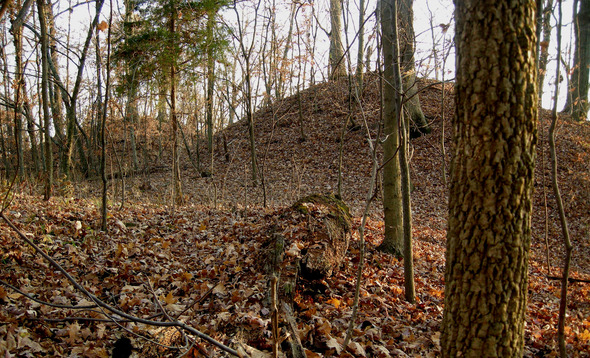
{"x": 250, "y": 117}
{"x": 18, "y": 108}
{"x": 7, "y": 167}
{"x": 71, "y": 102}
{"x": 560, "y": 209}
{"x": 31, "y": 131}
{"x": 177, "y": 196}
{"x": 337, "y": 65}
{"x": 543, "y": 48}
{"x": 4, "y": 114}
{"x": 45, "y": 98}
{"x": 361, "y": 49}
{"x": 210, "y": 80}
{"x": 188, "y": 149}
{"x": 392, "y": 196}
{"x": 103, "y": 120}
{"x": 578, "y": 104}
{"x": 412, "y": 107}
{"x": 55, "y": 95}
{"x": 280, "y": 86}
{"x": 398, "y": 84}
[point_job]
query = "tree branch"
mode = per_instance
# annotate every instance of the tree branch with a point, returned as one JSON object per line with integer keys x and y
{"x": 112, "y": 309}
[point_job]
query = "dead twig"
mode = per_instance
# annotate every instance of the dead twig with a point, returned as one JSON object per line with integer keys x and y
{"x": 100, "y": 303}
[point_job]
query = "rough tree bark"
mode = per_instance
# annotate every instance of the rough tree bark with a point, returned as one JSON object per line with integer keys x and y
{"x": 490, "y": 202}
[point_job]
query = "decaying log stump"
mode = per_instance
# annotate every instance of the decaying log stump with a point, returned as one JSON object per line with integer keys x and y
{"x": 310, "y": 239}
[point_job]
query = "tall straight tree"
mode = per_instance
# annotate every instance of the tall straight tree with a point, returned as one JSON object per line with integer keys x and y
{"x": 48, "y": 191}
{"x": 414, "y": 114}
{"x": 577, "y": 103}
{"x": 173, "y": 49}
{"x": 544, "y": 9}
{"x": 246, "y": 51}
{"x": 337, "y": 64}
{"x": 210, "y": 78}
{"x": 490, "y": 202}
{"x": 131, "y": 79}
{"x": 392, "y": 89}
{"x": 361, "y": 48}
{"x": 17, "y": 32}
{"x": 71, "y": 100}
{"x": 55, "y": 94}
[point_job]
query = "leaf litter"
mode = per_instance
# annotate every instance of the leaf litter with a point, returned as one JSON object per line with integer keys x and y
{"x": 200, "y": 262}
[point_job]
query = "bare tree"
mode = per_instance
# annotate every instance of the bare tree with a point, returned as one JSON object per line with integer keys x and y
{"x": 246, "y": 51}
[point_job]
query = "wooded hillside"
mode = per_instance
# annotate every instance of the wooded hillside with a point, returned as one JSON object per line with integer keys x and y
{"x": 200, "y": 262}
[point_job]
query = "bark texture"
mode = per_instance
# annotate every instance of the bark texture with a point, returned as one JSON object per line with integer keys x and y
{"x": 490, "y": 202}
{"x": 392, "y": 195}
{"x": 309, "y": 240}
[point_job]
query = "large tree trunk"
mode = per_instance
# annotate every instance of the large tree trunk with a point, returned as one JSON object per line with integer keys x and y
{"x": 337, "y": 64}
{"x": 392, "y": 197}
{"x": 490, "y": 200}
{"x": 412, "y": 108}
{"x": 577, "y": 103}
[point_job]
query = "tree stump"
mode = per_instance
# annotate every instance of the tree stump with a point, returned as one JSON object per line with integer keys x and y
{"x": 308, "y": 239}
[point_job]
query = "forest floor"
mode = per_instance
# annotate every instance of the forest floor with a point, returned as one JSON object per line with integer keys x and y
{"x": 199, "y": 262}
